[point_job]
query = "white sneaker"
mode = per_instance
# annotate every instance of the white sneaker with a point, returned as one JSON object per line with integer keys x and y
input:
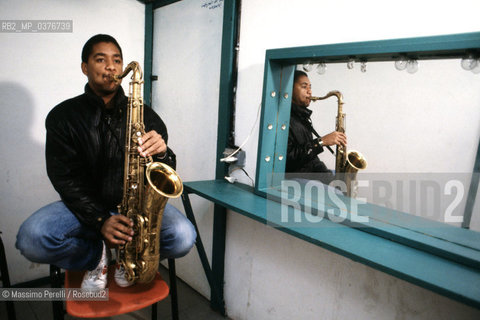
{"x": 120, "y": 277}
{"x": 97, "y": 278}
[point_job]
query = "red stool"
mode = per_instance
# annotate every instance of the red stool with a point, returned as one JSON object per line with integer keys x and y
{"x": 120, "y": 300}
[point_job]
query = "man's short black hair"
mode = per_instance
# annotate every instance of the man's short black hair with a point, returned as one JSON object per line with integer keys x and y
{"x": 88, "y": 47}
{"x": 298, "y": 74}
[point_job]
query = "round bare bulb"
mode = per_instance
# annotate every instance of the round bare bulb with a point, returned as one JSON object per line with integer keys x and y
{"x": 307, "y": 67}
{"x": 469, "y": 62}
{"x": 401, "y": 63}
{"x": 350, "y": 64}
{"x": 476, "y": 68}
{"x": 363, "y": 67}
{"x": 321, "y": 68}
{"x": 412, "y": 66}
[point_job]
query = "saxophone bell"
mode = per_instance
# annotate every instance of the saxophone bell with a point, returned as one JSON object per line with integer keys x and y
{"x": 164, "y": 180}
{"x": 355, "y": 161}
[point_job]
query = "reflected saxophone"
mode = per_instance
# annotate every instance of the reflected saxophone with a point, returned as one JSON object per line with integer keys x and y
{"x": 142, "y": 202}
{"x": 347, "y": 164}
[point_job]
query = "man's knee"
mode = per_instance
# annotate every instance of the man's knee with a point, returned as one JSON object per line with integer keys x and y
{"x": 30, "y": 241}
{"x": 178, "y": 238}
{"x": 185, "y": 237}
{"x": 37, "y": 235}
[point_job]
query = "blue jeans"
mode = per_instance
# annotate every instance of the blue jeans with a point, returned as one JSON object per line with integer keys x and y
{"x": 53, "y": 235}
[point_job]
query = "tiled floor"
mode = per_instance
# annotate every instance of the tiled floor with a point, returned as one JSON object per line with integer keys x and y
{"x": 191, "y": 306}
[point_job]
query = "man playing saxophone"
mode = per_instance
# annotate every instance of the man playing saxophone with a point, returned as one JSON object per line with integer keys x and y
{"x": 304, "y": 143}
{"x": 85, "y": 163}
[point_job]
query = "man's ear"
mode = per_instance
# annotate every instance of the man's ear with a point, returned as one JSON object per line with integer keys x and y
{"x": 84, "y": 68}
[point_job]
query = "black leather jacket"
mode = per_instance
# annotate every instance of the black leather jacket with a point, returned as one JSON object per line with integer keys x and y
{"x": 303, "y": 149}
{"x": 84, "y": 153}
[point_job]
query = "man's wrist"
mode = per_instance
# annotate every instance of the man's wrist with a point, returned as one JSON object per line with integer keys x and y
{"x": 320, "y": 142}
{"x": 317, "y": 144}
{"x": 162, "y": 157}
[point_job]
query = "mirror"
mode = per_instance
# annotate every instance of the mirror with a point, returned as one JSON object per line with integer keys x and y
{"x": 418, "y": 131}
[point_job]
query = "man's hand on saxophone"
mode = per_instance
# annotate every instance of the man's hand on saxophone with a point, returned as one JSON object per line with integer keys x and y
{"x": 117, "y": 230}
{"x": 335, "y": 138}
{"x": 151, "y": 144}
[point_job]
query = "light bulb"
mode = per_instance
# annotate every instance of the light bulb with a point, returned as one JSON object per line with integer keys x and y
{"x": 476, "y": 68}
{"x": 469, "y": 62}
{"x": 307, "y": 67}
{"x": 401, "y": 63}
{"x": 321, "y": 68}
{"x": 363, "y": 67}
{"x": 350, "y": 64}
{"x": 412, "y": 66}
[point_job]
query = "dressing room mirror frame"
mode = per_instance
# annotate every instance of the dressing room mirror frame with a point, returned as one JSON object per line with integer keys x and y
{"x": 280, "y": 65}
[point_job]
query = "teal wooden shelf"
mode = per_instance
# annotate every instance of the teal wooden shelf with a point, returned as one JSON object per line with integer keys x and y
{"x": 437, "y": 273}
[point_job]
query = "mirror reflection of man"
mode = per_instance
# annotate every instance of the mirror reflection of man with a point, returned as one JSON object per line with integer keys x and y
{"x": 304, "y": 144}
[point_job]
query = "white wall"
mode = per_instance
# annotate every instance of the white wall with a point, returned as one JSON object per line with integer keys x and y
{"x": 187, "y": 45}
{"x": 39, "y": 70}
{"x": 271, "y": 275}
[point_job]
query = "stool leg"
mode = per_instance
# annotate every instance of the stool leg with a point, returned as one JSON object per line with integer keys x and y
{"x": 6, "y": 279}
{"x": 154, "y": 311}
{"x": 173, "y": 288}
{"x": 56, "y": 282}
{"x": 11, "y": 311}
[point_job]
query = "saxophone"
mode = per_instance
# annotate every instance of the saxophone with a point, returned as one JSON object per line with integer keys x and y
{"x": 346, "y": 164}
{"x": 142, "y": 202}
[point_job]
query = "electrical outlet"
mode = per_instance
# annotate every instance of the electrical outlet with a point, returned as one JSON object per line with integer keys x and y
{"x": 237, "y": 160}
{"x": 241, "y": 159}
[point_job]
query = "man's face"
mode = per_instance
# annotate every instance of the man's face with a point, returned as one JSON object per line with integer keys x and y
{"x": 104, "y": 61}
{"x": 302, "y": 91}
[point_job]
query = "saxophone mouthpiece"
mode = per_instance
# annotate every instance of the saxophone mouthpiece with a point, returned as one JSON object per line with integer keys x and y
{"x": 116, "y": 79}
